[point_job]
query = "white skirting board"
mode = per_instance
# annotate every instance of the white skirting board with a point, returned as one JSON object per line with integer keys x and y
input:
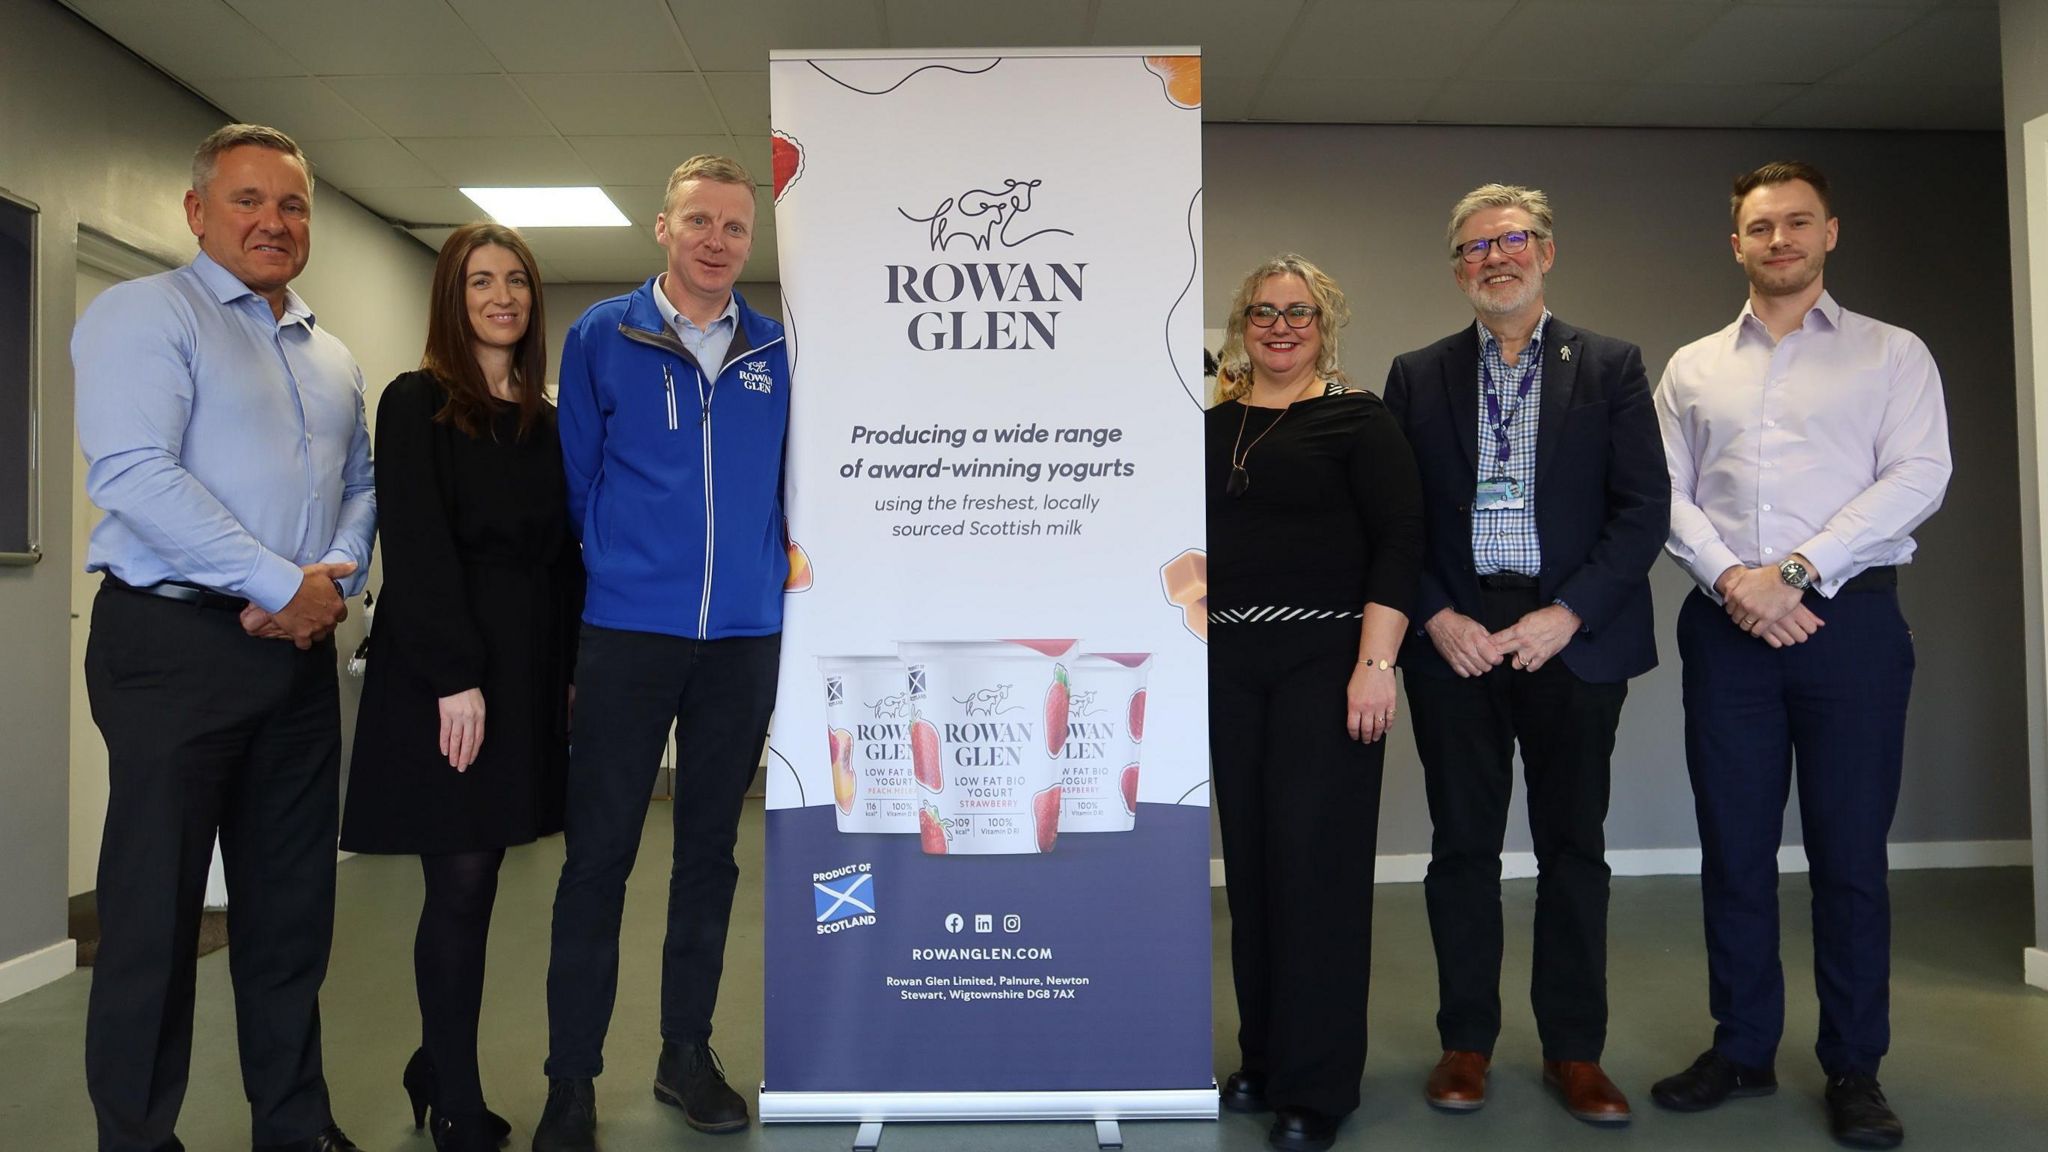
{"x": 2037, "y": 967}
{"x": 1410, "y": 869}
{"x": 32, "y": 970}
{"x": 913, "y": 1107}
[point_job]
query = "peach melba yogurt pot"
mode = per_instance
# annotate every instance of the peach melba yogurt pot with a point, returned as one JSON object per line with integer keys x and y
{"x": 867, "y": 720}
{"x": 989, "y": 724}
{"x": 1105, "y": 725}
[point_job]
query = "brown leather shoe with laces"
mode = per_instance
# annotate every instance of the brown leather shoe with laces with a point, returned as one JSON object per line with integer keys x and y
{"x": 1458, "y": 1083}
{"x": 1587, "y": 1092}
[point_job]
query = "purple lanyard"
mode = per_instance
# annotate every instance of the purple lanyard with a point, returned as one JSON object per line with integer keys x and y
{"x": 1495, "y": 416}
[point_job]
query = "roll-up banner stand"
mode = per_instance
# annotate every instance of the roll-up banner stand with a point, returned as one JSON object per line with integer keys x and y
{"x": 988, "y": 828}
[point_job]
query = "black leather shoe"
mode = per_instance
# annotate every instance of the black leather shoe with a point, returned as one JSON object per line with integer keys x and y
{"x": 329, "y": 1140}
{"x": 1711, "y": 1079}
{"x": 422, "y": 1084}
{"x": 1300, "y": 1130}
{"x": 568, "y": 1122}
{"x": 689, "y": 1076}
{"x": 1858, "y": 1114}
{"x": 1244, "y": 1091}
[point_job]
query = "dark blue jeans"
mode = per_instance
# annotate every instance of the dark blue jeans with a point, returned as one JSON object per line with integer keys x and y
{"x": 629, "y": 687}
{"x": 1836, "y": 704}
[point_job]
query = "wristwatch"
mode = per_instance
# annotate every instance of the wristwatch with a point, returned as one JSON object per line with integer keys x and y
{"x": 1794, "y": 573}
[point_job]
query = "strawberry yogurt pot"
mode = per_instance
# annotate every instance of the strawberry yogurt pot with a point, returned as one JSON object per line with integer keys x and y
{"x": 867, "y": 722}
{"x": 1106, "y": 725}
{"x": 989, "y": 724}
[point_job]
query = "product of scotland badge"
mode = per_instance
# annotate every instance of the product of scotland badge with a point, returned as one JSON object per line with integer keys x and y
{"x": 843, "y": 898}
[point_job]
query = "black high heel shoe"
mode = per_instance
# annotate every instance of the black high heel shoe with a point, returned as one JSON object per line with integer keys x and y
{"x": 420, "y": 1083}
{"x": 469, "y": 1134}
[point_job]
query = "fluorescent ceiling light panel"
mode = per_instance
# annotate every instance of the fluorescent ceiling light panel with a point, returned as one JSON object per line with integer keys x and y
{"x": 549, "y": 207}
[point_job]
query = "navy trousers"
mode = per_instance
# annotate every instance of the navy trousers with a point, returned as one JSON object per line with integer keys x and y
{"x": 1836, "y": 705}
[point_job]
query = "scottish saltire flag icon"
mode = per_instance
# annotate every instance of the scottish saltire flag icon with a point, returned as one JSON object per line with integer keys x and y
{"x": 847, "y": 896}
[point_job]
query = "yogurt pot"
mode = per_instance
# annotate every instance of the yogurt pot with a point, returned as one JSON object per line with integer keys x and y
{"x": 1105, "y": 725}
{"x": 989, "y": 724}
{"x": 867, "y": 718}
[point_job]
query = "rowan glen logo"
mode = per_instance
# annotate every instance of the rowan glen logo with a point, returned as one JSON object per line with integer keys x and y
{"x": 754, "y": 375}
{"x": 987, "y": 701}
{"x": 1010, "y": 295}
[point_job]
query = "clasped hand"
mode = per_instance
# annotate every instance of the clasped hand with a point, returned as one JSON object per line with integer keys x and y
{"x": 1530, "y": 642}
{"x": 1760, "y": 603}
{"x": 312, "y": 613}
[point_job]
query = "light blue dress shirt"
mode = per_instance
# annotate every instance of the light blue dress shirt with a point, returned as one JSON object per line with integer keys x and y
{"x": 1505, "y": 539}
{"x": 708, "y": 345}
{"x": 227, "y": 446}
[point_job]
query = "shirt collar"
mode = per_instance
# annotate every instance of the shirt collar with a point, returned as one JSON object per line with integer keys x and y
{"x": 670, "y": 316}
{"x": 1826, "y": 309}
{"x": 1487, "y": 339}
{"x": 227, "y": 289}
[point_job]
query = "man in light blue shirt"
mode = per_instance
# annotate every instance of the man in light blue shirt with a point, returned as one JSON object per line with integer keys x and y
{"x": 224, "y": 436}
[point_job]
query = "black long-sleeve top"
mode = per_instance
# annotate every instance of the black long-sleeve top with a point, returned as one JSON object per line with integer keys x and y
{"x": 1332, "y": 517}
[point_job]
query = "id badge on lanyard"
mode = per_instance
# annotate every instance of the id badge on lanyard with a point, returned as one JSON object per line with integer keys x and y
{"x": 1498, "y": 493}
{"x": 1502, "y": 493}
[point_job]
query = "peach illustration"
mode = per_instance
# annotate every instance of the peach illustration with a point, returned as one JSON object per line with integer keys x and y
{"x": 931, "y": 833}
{"x": 1185, "y": 579}
{"x": 788, "y": 158}
{"x": 1130, "y": 783}
{"x": 799, "y": 568}
{"x": 1182, "y": 76}
{"x": 842, "y": 769}
{"x": 1045, "y": 817}
{"x": 1134, "y": 721}
{"x": 924, "y": 756}
{"x": 1057, "y": 698}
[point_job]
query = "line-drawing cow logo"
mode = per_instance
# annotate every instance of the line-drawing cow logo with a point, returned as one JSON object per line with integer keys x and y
{"x": 982, "y": 217}
{"x": 987, "y": 701}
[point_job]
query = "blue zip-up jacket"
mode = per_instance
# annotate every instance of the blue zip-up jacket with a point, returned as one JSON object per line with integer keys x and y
{"x": 675, "y": 471}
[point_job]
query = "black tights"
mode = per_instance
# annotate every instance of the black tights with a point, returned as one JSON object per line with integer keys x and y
{"x": 448, "y": 966}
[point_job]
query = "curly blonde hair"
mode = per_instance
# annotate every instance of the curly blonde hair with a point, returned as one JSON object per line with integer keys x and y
{"x": 1234, "y": 364}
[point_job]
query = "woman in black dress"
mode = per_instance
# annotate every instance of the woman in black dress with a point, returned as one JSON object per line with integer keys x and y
{"x": 483, "y": 585}
{"x": 1315, "y": 544}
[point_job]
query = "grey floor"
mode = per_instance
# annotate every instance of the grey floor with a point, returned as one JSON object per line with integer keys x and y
{"x": 1968, "y": 1070}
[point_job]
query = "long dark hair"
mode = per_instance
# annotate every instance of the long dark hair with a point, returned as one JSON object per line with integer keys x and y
{"x": 451, "y": 342}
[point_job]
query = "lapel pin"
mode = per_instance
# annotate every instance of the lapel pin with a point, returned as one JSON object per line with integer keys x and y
{"x": 1564, "y": 353}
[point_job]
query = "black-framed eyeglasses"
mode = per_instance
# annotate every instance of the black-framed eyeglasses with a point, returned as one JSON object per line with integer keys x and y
{"x": 1298, "y": 315}
{"x": 1511, "y": 244}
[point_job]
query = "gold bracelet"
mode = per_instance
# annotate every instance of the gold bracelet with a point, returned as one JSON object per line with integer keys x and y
{"x": 1382, "y": 665}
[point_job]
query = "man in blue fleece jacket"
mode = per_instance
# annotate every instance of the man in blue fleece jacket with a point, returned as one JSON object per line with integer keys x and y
{"x": 674, "y": 400}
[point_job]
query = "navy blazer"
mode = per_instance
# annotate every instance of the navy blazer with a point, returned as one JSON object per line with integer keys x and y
{"x": 1603, "y": 497}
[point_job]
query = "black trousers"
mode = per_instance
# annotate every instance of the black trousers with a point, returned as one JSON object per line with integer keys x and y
{"x": 1466, "y": 731}
{"x": 209, "y": 729}
{"x": 630, "y": 686}
{"x": 1299, "y": 803}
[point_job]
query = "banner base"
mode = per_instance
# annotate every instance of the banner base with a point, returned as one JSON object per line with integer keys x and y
{"x": 911, "y": 1107}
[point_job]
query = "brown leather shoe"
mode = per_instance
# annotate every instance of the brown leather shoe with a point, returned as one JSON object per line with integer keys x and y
{"x": 1458, "y": 1084}
{"x": 1588, "y": 1094}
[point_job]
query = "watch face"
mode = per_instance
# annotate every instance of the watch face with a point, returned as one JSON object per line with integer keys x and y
{"x": 1794, "y": 573}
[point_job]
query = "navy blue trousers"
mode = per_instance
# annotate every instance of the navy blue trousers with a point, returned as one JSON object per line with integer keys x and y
{"x": 1837, "y": 705}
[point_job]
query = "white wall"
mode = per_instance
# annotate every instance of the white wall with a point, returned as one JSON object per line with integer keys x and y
{"x": 98, "y": 139}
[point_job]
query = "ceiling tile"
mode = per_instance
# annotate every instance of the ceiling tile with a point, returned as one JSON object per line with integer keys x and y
{"x": 643, "y": 159}
{"x": 191, "y": 39}
{"x": 442, "y": 105}
{"x": 442, "y": 205}
{"x": 1951, "y": 46}
{"x": 370, "y": 37}
{"x": 586, "y": 36}
{"x": 1227, "y": 97}
{"x": 758, "y": 154}
{"x": 1657, "y": 105}
{"x": 616, "y": 103}
{"x": 301, "y": 107}
{"x": 743, "y": 97}
{"x": 624, "y": 255}
{"x": 1235, "y": 37}
{"x": 375, "y": 163}
{"x": 1530, "y": 102}
{"x": 1754, "y": 44}
{"x": 728, "y": 37}
{"x": 1544, "y": 39}
{"x": 1341, "y": 101}
{"x": 949, "y": 24}
{"x": 640, "y": 202}
{"x": 507, "y": 161}
{"x": 1402, "y": 40}
{"x": 1921, "y": 106}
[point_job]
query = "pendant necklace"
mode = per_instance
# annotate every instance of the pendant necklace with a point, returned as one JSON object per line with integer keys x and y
{"x": 1239, "y": 478}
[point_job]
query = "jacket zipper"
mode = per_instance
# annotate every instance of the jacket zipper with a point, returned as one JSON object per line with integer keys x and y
{"x": 710, "y": 505}
{"x": 668, "y": 382}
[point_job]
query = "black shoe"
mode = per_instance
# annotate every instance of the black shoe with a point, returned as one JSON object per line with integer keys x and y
{"x": 1711, "y": 1079}
{"x": 1300, "y": 1130}
{"x": 421, "y": 1083}
{"x": 1244, "y": 1091}
{"x": 1858, "y": 1114}
{"x": 464, "y": 1134}
{"x": 568, "y": 1122}
{"x": 329, "y": 1140}
{"x": 689, "y": 1076}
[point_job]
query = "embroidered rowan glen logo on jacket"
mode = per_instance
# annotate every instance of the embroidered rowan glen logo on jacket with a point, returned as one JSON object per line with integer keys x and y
{"x": 754, "y": 375}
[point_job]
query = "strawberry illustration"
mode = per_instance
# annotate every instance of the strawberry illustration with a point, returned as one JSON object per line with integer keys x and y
{"x": 1135, "y": 722}
{"x": 1057, "y": 698}
{"x": 1130, "y": 783}
{"x": 1045, "y": 817}
{"x": 788, "y": 161}
{"x": 931, "y": 832}
{"x": 924, "y": 756}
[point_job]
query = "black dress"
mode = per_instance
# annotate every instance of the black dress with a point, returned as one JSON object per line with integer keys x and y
{"x": 483, "y": 587}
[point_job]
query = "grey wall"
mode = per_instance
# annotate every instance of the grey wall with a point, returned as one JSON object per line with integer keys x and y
{"x": 99, "y": 139}
{"x": 567, "y": 301}
{"x": 1643, "y": 255}
{"x": 2023, "y": 42}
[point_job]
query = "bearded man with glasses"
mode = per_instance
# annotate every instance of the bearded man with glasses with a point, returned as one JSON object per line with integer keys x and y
{"x": 1545, "y": 502}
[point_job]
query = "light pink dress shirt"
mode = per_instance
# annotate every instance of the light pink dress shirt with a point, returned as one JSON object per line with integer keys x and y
{"x": 1832, "y": 443}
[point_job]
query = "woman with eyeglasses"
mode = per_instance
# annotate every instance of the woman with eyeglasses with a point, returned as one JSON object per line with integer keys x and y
{"x": 1315, "y": 544}
{"x": 461, "y": 744}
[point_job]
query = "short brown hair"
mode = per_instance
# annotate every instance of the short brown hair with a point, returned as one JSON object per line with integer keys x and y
{"x": 451, "y": 341}
{"x": 717, "y": 169}
{"x": 1778, "y": 172}
{"x": 1234, "y": 364}
{"x": 206, "y": 161}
